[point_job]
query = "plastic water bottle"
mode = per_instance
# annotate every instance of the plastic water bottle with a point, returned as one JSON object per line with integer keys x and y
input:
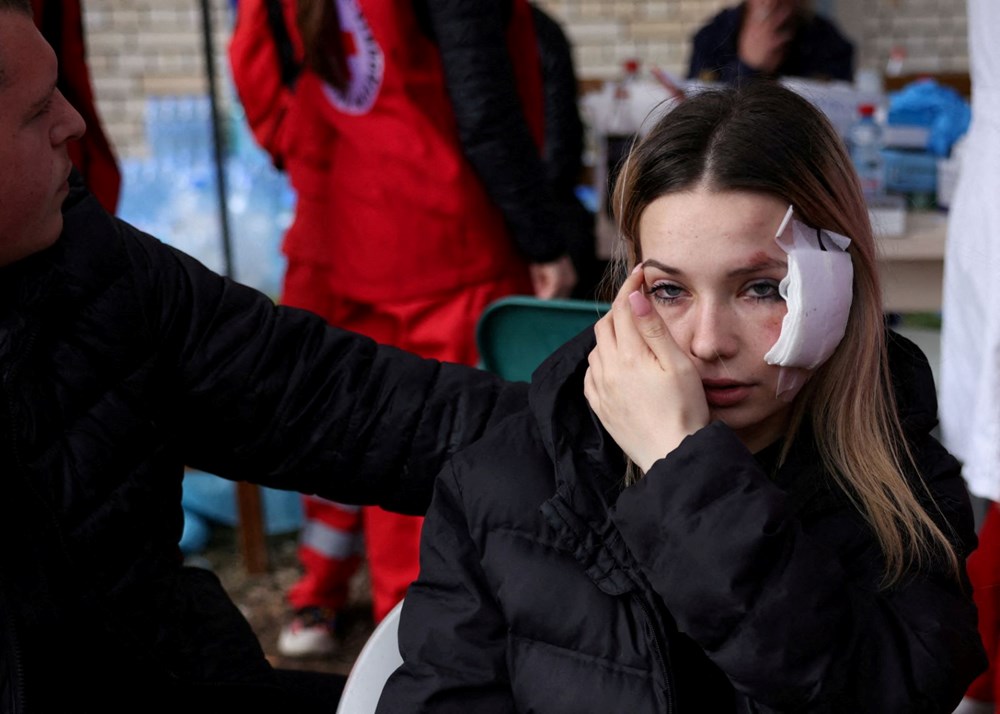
{"x": 865, "y": 141}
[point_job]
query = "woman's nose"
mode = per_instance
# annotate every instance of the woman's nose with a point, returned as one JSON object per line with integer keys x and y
{"x": 714, "y": 333}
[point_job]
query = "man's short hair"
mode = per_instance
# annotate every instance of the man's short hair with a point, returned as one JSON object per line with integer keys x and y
{"x": 16, "y": 5}
{"x": 21, "y": 6}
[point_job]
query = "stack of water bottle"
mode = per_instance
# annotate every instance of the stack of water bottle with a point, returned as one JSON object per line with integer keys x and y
{"x": 173, "y": 193}
{"x": 912, "y": 155}
{"x": 867, "y": 147}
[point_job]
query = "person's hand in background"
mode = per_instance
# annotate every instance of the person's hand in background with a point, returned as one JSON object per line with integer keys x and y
{"x": 553, "y": 280}
{"x": 768, "y": 27}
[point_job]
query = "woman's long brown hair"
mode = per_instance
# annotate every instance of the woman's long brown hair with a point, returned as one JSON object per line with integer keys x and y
{"x": 322, "y": 42}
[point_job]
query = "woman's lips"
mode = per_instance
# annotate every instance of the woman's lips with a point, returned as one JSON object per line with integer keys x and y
{"x": 724, "y": 392}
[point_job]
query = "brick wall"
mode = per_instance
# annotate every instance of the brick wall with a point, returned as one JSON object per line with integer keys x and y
{"x": 143, "y": 47}
{"x": 139, "y": 48}
{"x": 933, "y": 33}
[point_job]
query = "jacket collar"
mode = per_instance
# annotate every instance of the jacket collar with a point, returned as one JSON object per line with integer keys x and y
{"x": 584, "y": 456}
{"x": 589, "y": 469}
{"x": 85, "y": 260}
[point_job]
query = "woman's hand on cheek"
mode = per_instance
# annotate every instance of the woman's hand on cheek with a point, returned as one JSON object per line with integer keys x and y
{"x": 644, "y": 389}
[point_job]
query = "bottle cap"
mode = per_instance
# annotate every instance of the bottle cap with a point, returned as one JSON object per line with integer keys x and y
{"x": 866, "y": 110}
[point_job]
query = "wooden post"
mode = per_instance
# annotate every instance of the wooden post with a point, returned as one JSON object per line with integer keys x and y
{"x": 251, "y": 528}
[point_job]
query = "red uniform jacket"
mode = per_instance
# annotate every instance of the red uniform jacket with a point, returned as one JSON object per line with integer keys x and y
{"x": 386, "y": 200}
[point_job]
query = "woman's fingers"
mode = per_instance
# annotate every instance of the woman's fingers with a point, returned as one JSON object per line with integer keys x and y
{"x": 639, "y": 327}
{"x": 652, "y": 331}
{"x": 640, "y": 384}
{"x": 626, "y": 335}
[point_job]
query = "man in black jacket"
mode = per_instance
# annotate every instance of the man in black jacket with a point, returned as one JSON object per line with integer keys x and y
{"x": 122, "y": 360}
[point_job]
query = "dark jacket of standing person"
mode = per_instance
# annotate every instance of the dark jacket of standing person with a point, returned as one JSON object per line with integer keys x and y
{"x": 817, "y": 50}
{"x": 719, "y": 583}
{"x": 123, "y": 360}
{"x": 562, "y": 150}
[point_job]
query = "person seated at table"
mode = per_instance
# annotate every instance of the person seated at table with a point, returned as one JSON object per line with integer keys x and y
{"x": 770, "y": 38}
{"x": 749, "y": 516}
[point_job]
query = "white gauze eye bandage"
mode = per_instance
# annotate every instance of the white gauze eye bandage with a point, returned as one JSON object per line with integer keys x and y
{"x": 818, "y": 292}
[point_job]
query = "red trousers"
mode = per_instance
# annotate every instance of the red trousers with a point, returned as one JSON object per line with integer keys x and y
{"x": 984, "y": 571}
{"x": 442, "y": 327}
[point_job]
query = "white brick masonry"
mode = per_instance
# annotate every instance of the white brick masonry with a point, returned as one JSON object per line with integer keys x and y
{"x": 138, "y": 47}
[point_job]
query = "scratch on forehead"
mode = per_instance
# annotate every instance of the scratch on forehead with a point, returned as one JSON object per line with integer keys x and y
{"x": 759, "y": 261}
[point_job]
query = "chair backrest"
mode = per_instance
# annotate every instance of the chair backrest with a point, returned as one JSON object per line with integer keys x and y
{"x": 378, "y": 659}
{"x": 516, "y": 334}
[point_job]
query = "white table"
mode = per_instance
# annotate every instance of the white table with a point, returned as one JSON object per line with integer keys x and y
{"x": 912, "y": 265}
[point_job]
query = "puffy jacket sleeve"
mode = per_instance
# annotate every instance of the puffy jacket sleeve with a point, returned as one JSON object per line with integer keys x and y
{"x": 563, "y": 147}
{"x": 495, "y": 137}
{"x": 270, "y": 394}
{"x": 452, "y": 636}
{"x": 791, "y": 613}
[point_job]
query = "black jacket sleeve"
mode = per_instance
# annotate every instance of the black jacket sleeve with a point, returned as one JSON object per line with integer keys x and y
{"x": 271, "y": 394}
{"x": 826, "y": 52}
{"x": 713, "y": 50}
{"x": 791, "y": 611}
{"x": 471, "y": 35}
{"x": 563, "y": 149}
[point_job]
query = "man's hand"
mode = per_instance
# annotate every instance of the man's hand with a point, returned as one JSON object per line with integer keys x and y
{"x": 553, "y": 280}
{"x": 644, "y": 389}
{"x": 768, "y": 27}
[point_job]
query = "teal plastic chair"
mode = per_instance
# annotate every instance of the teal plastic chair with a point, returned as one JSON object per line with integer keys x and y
{"x": 516, "y": 334}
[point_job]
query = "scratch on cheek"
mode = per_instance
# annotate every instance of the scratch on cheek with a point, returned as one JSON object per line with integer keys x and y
{"x": 773, "y": 325}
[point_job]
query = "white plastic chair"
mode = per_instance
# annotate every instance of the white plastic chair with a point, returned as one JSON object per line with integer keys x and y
{"x": 971, "y": 706}
{"x": 378, "y": 659}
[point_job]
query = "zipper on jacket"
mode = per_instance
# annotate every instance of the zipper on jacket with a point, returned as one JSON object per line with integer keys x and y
{"x": 14, "y": 644}
{"x": 661, "y": 651}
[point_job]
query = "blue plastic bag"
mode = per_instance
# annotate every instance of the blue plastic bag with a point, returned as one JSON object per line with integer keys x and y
{"x": 926, "y": 103}
{"x": 208, "y": 499}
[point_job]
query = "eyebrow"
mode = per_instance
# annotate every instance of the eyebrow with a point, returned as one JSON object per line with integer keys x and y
{"x": 756, "y": 266}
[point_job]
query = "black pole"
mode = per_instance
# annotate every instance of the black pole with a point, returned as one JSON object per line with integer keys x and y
{"x": 248, "y": 500}
{"x": 217, "y": 138}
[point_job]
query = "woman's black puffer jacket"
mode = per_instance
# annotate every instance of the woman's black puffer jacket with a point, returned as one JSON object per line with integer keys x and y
{"x": 718, "y": 583}
{"x": 121, "y": 361}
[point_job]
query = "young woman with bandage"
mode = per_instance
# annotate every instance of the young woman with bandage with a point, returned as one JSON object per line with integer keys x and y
{"x": 732, "y": 503}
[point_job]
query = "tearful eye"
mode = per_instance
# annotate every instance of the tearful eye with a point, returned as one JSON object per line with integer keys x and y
{"x": 764, "y": 290}
{"x": 666, "y": 292}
